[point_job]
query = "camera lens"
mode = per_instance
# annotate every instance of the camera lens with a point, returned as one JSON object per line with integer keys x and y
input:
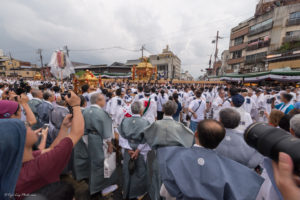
{"x": 269, "y": 141}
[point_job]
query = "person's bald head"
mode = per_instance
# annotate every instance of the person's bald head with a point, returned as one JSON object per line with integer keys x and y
{"x": 99, "y": 99}
{"x": 210, "y": 133}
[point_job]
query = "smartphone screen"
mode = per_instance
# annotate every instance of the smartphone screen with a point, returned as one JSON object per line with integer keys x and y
{"x": 45, "y": 126}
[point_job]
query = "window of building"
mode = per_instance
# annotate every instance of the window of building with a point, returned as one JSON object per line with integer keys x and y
{"x": 293, "y": 33}
{"x": 239, "y": 40}
{"x": 236, "y": 54}
{"x": 235, "y": 67}
{"x": 256, "y": 56}
{"x": 260, "y": 25}
{"x": 295, "y": 15}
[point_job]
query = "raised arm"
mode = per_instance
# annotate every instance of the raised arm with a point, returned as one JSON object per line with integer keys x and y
{"x": 77, "y": 127}
{"x": 23, "y": 101}
{"x": 75, "y": 122}
{"x": 63, "y": 131}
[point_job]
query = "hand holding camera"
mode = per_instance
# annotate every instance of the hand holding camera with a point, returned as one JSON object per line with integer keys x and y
{"x": 23, "y": 99}
{"x": 287, "y": 183}
{"x": 269, "y": 141}
{"x": 71, "y": 98}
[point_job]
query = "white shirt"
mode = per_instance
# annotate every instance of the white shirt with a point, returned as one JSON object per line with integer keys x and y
{"x": 199, "y": 110}
{"x": 248, "y": 104}
{"x": 260, "y": 101}
{"x": 139, "y": 96}
{"x": 116, "y": 110}
{"x": 246, "y": 120}
{"x": 268, "y": 103}
{"x": 185, "y": 100}
{"x": 227, "y": 103}
{"x": 216, "y": 107}
{"x": 151, "y": 112}
{"x": 154, "y": 97}
{"x": 29, "y": 95}
{"x": 161, "y": 101}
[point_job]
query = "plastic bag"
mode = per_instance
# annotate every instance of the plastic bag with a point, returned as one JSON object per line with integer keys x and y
{"x": 109, "y": 162}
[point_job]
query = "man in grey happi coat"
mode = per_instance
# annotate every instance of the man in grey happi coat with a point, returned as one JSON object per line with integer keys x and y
{"x": 56, "y": 117}
{"x": 200, "y": 173}
{"x": 33, "y": 104}
{"x": 234, "y": 146}
{"x": 162, "y": 133}
{"x": 98, "y": 130}
{"x": 132, "y": 141}
{"x": 44, "y": 109}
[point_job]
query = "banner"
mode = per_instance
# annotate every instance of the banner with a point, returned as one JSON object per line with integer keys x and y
{"x": 61, "y": 66}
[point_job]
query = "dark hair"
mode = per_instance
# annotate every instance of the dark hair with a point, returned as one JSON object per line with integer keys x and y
{"x": 109, "y": 95}
{"x": 41, "y": 87}
{"x": 140, "y": 88}
{"x": 287, "y": 96}
{"x": 175, "y": 97}
{"x": 119, "y": 92}
{"x": 27, "y": 88}
{"x": 56, "y": 89}
{"x": 1, "y": 86}
{"x": 85, "y": 88}
{"x": 233, "y": 91}
{"x": 48, "y": 85}
{"x": 153, "y": 90}
{"x": 230, "y": 118}
{"x": 284, "y": 123}
{"x": 198, "y": 93}
{"x": 210, "y": 133}
{"x": 82, "y": 100}
{"x": 244, "y": 90}
{"x": 162, "y": 92}
{"x": 147, "y": 91}
{"x": 104, "y": 91}
{"x": 46, "y": 95}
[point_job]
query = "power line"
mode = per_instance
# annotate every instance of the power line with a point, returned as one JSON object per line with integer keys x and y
{"x": 195, "y": 27}
{"x": 107, "y": 48}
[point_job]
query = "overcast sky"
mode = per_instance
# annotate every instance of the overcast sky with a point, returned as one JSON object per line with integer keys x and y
{"x": 187, "y": 26}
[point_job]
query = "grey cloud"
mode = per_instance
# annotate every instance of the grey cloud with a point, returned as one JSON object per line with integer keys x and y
{"x": 188, "y": 26}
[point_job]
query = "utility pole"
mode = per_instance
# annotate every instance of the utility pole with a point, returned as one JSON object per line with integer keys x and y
{"x": 216, "y": 51}
{"x": 67, "y": 50}
{"x": 142, "y": 49}
{"x": 217, "y": 42}
{"x": 12, "y": 64}
{"x": 39, "y": 51}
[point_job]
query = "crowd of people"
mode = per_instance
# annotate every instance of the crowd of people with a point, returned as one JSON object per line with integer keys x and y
{"x": 147, "y": 141}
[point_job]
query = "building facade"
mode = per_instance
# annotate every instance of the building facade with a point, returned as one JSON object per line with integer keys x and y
{"x": 224, "y": 60}
{"x": 186, "y": 76}
{"x": 274, "y": 29}
{"x": 10, "y": 67}
{"x": 168, "y": 64}
{"x": 114, "y": 68}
